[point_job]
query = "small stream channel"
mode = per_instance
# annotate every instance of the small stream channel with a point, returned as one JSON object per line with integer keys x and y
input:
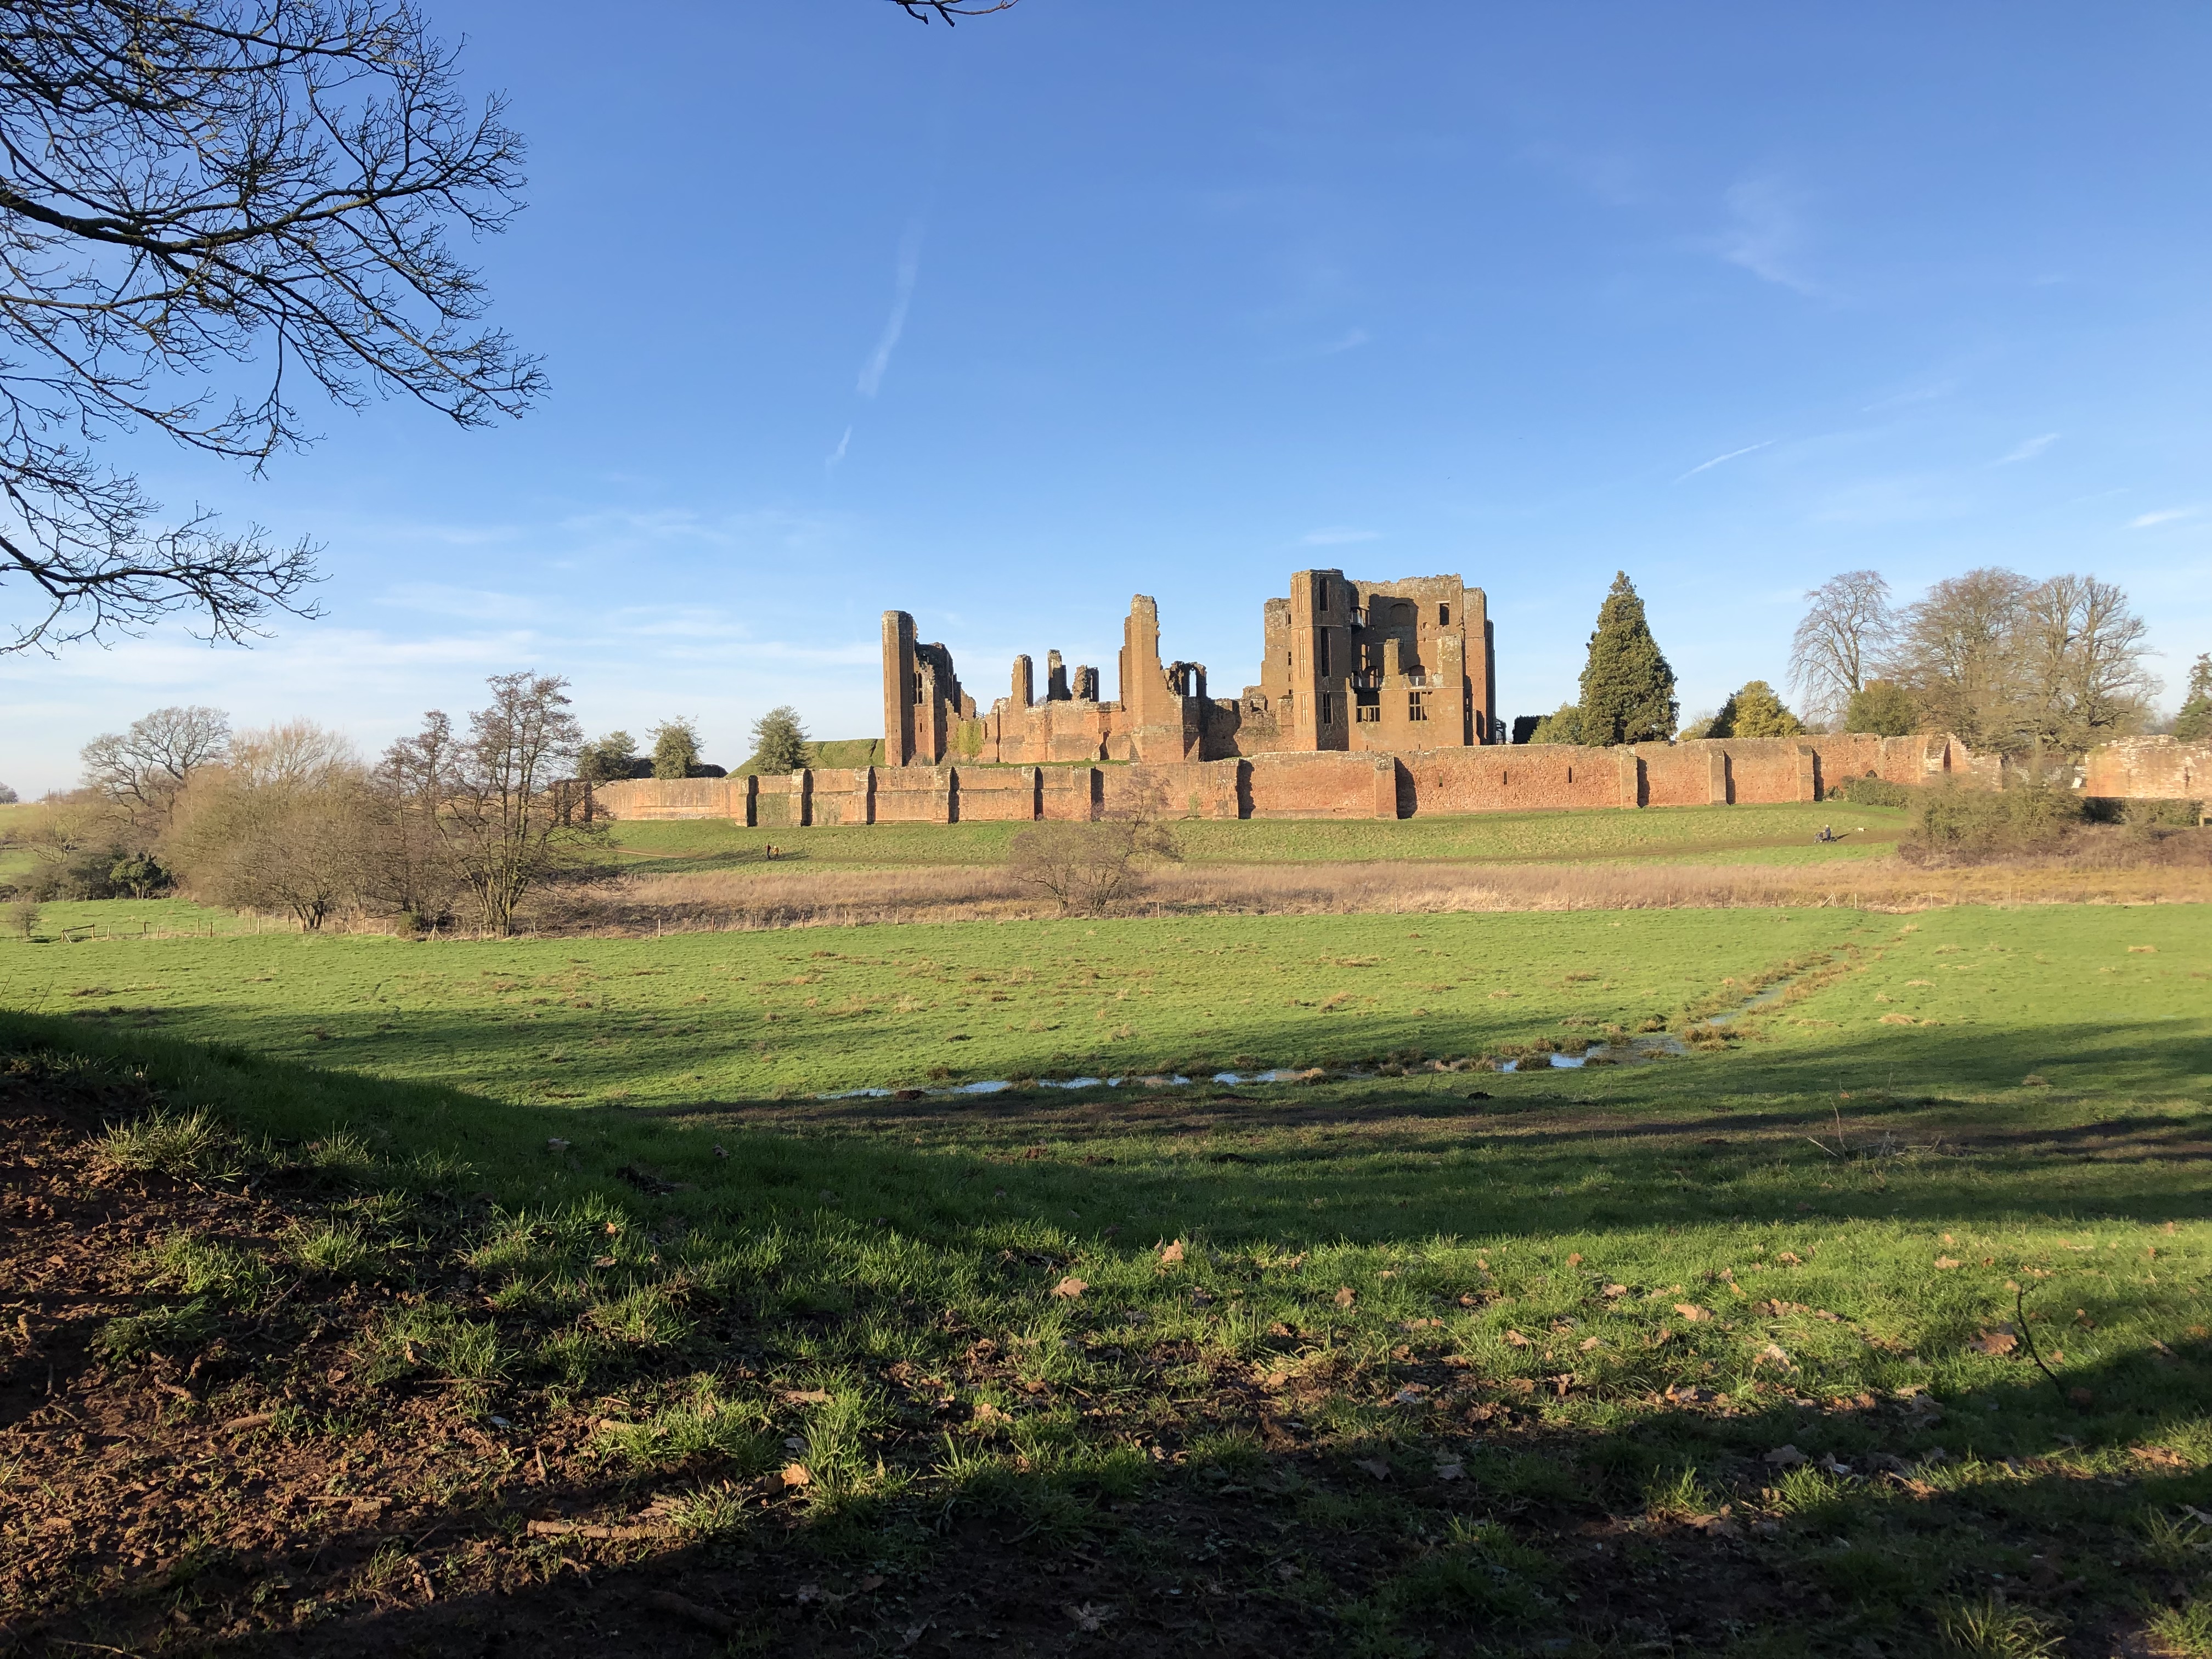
{"x": 1636, "y": 1049}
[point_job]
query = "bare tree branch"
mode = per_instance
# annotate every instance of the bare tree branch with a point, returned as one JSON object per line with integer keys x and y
{"x": 949, "y": 9}
{"x": 185, "y": 189}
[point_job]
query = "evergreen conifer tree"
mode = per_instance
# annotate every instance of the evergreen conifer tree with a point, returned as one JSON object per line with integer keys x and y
{"x": 1753, "y": 712}
{"x": 2193, "y": 723}
{"x": 675, "y": 749}
{"x": 779, "y": 742}
{"x": 1628, "y": 690}
{"x": 1883, "y": 708}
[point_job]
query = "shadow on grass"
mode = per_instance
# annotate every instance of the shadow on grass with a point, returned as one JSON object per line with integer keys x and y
{"x": 1577, "y": 1516}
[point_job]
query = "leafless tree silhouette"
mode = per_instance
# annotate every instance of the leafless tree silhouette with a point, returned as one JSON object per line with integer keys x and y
{"x": 201, "y": 201}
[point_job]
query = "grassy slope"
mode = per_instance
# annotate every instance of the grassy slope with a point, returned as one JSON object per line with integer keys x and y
{"x": 1339, "y": 1213}
{"x": 756, "y": 1014}
{"x": 739, "y": 1015}
{"x": 1665, "y": 832}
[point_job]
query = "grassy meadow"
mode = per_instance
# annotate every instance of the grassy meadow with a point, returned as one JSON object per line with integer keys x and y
{"x": 1402, "y": 1360}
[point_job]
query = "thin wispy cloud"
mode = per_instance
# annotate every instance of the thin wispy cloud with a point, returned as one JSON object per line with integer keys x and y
{"x": 838, "y": 454}
{"x": 2167, "y": 516}
{"x": 1767, "y": 236}
{"x": 1705, "y": 466}
{"x": 1353, "y": 341}
{"x": 2029, "y": 450}
{"x": 1338, "y": 536}
{"x": 910, "y": 268}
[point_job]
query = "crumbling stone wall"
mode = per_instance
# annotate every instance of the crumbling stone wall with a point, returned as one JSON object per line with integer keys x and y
{"x": 1353, "y": 784}
{"x": 2149, "y": 769}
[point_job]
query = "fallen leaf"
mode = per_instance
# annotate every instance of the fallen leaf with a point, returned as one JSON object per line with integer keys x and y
{"x": 1515, "y": 1339}
{"x": 1344, "y": 1297}
{"x": 554, "y": 1144}
{"x": 988, "y": 1413}
{"x": 806, "y": 1396}
{"x": 795, "y": 1475}
{"x": 1587, "y": 1343}
{"x": 1576, "y": 1259}
{"x": 1792, "y": 1258}
{"x": 1172, "y": 1253}
{"x": 1070, "y": 1287}
{"x": 1828, "y": 1465}
{"x": 1772, "y": 1351}
{"x": 1691, "y": 1311}
{"x": 1451, "y": 1470}
{"x": 1616, "y": 1290}
{"x": 870, "y": 1581}
{"x": 1089, "y": 1616}
{"x": 1373, "y": 1466}
{"x": 1996, "y": 1343}
{"x": 1786, "y": 1457}
{"x": 1946, "y": 1263}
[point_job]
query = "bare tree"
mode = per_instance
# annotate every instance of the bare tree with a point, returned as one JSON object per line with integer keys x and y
{"x": 141, "y": 770}
{"x": 1847, "y": 628}
{"x": 1956, "y": 654}
{"x": 409, "y": 869}
{"x": 1089, "y": 868}
{"x": 2080, "y": 664}
{"x": 190, "y": 185}
{"x": 488, "y": 802}
{"x": 280, "y": 826}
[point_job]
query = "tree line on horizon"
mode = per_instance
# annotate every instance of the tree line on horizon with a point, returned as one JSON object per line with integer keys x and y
{"x": 457, "y": 820}
{"x": 2010, "y": 665}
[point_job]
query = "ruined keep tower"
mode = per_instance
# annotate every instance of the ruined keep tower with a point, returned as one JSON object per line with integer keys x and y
{"x": 1385, "y": 667}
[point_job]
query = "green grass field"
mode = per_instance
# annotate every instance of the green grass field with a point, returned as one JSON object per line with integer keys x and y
{"x": 1606, "y": 1299}
{"x": 1742, "y": 1326}
{"x": 761, "y": 1015}
{"x": 1674, "y": 832}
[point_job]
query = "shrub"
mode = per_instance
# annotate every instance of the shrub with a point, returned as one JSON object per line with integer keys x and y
{"x": 2143, "y": 814}
{"x": 22, "y": 917}
{"x": 1088, "y": 868}
{"x": 1871, "y": 791}
{"x": 1973, "y": 826}
{"x": 100, "y": 873}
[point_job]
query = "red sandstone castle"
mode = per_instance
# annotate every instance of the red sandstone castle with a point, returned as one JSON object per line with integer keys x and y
{"x": 1376, "y": 700}
{"x": 1384, "y": 667}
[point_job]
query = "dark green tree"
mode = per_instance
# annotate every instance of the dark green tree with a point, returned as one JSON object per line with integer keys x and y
{"x": 1883, "y": 708}
{"x": 609, "y": 758}
{"x": 2193, "y": 723}
{"x": 1563, "y": 725}
{"x": 675, "y": 749}
{"x": 779, "y": 742}
{"x": 1753, "y": 712}
{"x": 1628, "y": 690}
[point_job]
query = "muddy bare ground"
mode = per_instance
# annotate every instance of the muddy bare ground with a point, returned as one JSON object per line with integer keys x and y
{"x": 251, "y": 1482}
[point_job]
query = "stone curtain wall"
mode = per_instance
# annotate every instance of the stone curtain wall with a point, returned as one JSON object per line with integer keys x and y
{"x": 1338, "y": 784}
{"x": 2149, "y": 769}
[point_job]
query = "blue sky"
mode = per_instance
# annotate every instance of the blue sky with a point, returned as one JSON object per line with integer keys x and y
{"x": 1003, "y": 323}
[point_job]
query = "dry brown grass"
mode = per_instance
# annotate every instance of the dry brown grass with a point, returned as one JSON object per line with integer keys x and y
{"x": 746, "y": 899}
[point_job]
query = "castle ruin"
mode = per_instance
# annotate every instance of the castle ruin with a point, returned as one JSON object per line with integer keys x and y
{"x": 1376, "y": 700}
{"x": 1375, "y": 668}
